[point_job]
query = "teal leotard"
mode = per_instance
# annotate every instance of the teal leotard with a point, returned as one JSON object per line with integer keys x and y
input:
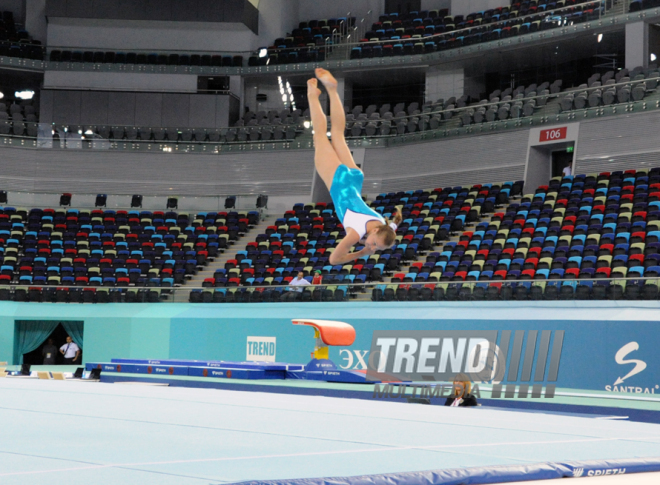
{"x": 346, "y": 193}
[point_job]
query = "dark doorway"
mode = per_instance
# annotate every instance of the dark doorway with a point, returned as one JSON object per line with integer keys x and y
{"x": 397, "y": 86}
{"x": 402, "y": 6}
{"x": 560, "y": 160}
{"x": 59, "y": 336}
{"x": 213, "y": 84}
{"x": 380, "y": 95}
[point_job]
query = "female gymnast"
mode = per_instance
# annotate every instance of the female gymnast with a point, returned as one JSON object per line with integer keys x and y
{"x": 335, "y": 165}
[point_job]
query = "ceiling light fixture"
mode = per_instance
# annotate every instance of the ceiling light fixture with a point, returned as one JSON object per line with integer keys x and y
{"x": 26, "y": 94}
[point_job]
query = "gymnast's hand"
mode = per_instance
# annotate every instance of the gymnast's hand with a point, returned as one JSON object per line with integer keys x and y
{"x": 367, "y": 251}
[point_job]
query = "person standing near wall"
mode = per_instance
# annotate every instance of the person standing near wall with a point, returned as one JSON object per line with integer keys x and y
{"x": 49, "y": 352}
{"x": 70, "y": 351}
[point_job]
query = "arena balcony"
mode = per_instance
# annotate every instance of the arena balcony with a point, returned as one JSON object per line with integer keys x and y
{"x": 562, "y": 24}
{"x": 607, "y": 96}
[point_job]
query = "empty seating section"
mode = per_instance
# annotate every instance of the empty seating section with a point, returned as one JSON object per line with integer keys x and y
{"x": 593, "y": 236}
{"x": 621, "y": 87}
{"x": 105, "y": 253}
{"x": 599, "y": 91}
{"x": 524, "y": 101}
{"x": 266, "y": 126}
{"x": 15, "y": 41}
{"x": 149, "y": 58}
{"x": 262, "y": 126}
{"x": 572, "y": 239}
{"x": 278, "y": 130}
{"x": 18, "y": 118}
{"x": 306, "y": 43}
{"x": 610, "y": 88}
{"x": 430, "y": 31}
{"x": 304, "y": 237}
{"x": 419, "y": 32}
{"x": 637, "y": 5}
{"x": 301, "y": 240}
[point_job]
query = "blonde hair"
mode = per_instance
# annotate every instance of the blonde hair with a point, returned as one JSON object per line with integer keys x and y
{"x": 465, "y": 385}
{"x": 386, "y": 231}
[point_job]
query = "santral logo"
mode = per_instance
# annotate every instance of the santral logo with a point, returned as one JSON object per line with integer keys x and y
{"x": 623, "y": 352}
{"x": 640, "y": 365}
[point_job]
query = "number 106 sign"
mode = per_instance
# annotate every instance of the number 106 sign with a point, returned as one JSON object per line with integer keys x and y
{"x": 553, "y": 134}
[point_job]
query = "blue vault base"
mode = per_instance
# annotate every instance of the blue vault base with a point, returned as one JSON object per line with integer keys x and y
{"x": 315, "y": 370}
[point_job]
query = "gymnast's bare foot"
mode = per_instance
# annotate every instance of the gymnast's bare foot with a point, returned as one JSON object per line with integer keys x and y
{"x": 326, "y": 78}
{"x": 313, "y": 90}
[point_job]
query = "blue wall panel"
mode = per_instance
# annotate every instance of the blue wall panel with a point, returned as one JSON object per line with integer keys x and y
{"x": 594, "y": 332}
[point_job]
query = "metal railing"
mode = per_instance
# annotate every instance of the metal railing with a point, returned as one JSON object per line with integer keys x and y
{"x": 620, "y": 288}
{"x": 445, "y": 115}
{"x": 80, "y": 52}
{"x": 342, "y": 35}
{"x": 556, "y": 16}
{"x": 167, "y": 139}
{"x": 117, "y": 201}
{"x": 428, "y": 120}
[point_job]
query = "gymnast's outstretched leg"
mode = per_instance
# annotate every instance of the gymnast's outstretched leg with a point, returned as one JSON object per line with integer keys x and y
{"x": 337, "y": 119}
{"x": 325, "y": 157}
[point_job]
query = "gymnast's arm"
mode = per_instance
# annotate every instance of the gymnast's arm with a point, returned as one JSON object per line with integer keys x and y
{"x": 342, "y": 254}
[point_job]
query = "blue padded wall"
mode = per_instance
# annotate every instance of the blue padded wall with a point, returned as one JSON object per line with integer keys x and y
{"x": 594, "y": 332}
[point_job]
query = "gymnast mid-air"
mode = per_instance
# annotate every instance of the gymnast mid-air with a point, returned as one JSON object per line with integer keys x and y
{"x": 335, "y": 165}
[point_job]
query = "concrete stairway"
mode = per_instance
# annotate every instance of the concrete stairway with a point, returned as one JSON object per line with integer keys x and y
{"x": 182, "y": 293}
{"x": 340, "y": 52}
{"x": 618, "y": 7}
{"x": 552, "y": 107}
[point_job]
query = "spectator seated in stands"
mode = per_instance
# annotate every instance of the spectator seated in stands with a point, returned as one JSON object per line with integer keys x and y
{"x": 462, "y": 393}
{"x": 295, "y": 288}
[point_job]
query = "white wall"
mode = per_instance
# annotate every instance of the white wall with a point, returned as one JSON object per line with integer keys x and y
{"x": 35, "y": 20}
{"x": 315, "y": 9}
{"x": 637, "y": 45}
{"x": 286, "y": 173}
{"x": 180, "y": 110}
{"x": 345, "y": 90}
{"x": 435, "y": 4}
{"x": 464, "y": 7}
{"x": 444, "y": 83}
{"x": 627, "y": 141}
{"x": 140, "y": 35}
{"x": 277, "y": 205}
{"x": 122, "y": 81}
{"x": 237, "y": 88}
{"x": 17, "y": 7}
{"x": 474, "y": 86}
{"x": 274, "y": 102}
{"x": 276, "y": 18}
